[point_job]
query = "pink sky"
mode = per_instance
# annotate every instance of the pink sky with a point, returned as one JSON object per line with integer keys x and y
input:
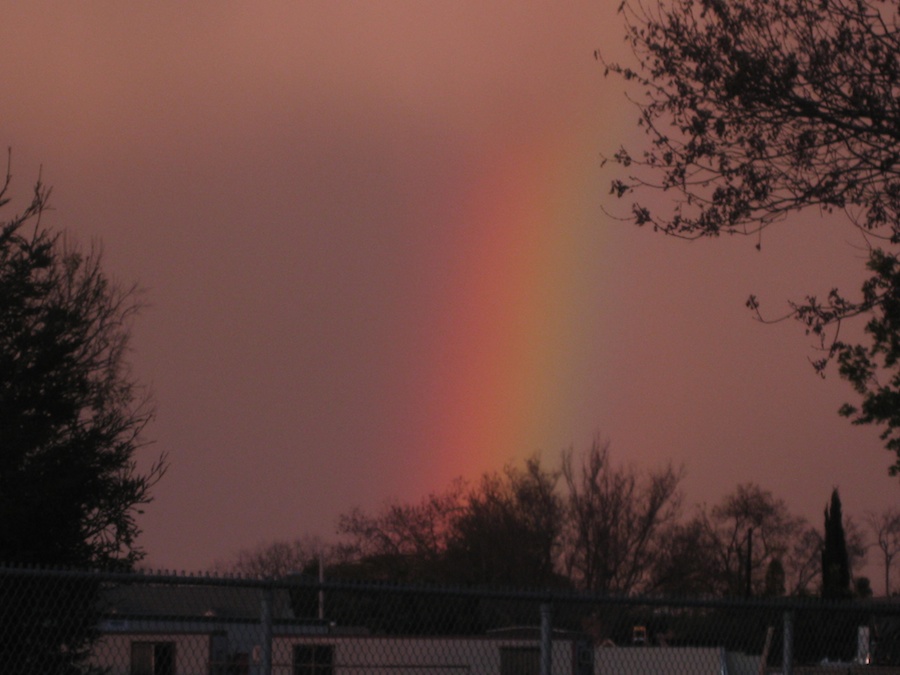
{"x": 374, "y": 246}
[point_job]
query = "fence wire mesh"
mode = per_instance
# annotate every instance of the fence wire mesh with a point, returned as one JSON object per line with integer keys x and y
{"x": 67, "y": 622}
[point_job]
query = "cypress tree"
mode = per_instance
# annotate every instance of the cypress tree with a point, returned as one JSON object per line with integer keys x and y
{"x": 835, "y": 561}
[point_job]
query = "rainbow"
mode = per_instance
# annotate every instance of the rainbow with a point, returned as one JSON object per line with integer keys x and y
{"x": 507, "y": 364}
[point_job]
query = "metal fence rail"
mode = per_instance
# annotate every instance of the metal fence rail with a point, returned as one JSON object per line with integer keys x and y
{"x": 67, "y": 622}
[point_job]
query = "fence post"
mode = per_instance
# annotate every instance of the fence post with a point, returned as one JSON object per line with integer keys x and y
{"x": 546, "y": 639}
{"x": 787, "y": 665}
{"x": 265, "y": 662}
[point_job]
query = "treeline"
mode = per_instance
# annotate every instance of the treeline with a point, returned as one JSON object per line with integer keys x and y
{"x": 587, "y": 524}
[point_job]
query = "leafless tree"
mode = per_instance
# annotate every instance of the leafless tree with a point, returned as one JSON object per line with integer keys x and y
{"x": 803, "y": 566}
{"x": 753, "y": 512}
{"x": 885, "y": 527}
{"x": 709, "y": 553}
{"x": 278, "y": 558}
{"x": 402, "y": 529}
{"x": 615, "y": 516}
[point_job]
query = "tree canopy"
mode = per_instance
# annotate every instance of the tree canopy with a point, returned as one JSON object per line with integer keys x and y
{"x": 590, "y": 525}
{"x": 759, "y": 109}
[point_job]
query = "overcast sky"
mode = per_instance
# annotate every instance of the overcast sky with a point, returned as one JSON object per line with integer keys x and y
{"x": 376, "y": 251}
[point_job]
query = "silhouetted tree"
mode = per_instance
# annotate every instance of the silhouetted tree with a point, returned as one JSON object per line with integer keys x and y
{"x": 775, "y": 579}
{"x": 509, "y": 533}
{"x": 708, "y": 554}
{"x": 805, "y": 562}
{"x": 774, "y": 528}
{"x": 614, "y": 519}
{"x": 757, "y": 110}
{"x": 886, "y": 528}
{"x": 405, "y": 542}
{"x": 862, "y": 587}
{"x": 835, "y": 559}
{"x": 826, "y": 633}
{"x": 503, "y": 530}
{"x": 804, "y": 566}
{"x": 278, "y": 559}
{"x": 70, "y": 423}
{"x": 685, "y": 564}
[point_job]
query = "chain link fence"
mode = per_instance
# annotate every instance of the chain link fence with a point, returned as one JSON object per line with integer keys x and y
{"x": 67, "y": 622}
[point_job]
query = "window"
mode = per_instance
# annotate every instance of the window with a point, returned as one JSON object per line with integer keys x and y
{"x": 152, "y": 658}
{"x": 313, "y": 659}
{"x": 520, "y": 661}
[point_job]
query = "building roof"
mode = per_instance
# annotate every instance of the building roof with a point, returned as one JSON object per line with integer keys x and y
{"x": 240, "y": 603}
